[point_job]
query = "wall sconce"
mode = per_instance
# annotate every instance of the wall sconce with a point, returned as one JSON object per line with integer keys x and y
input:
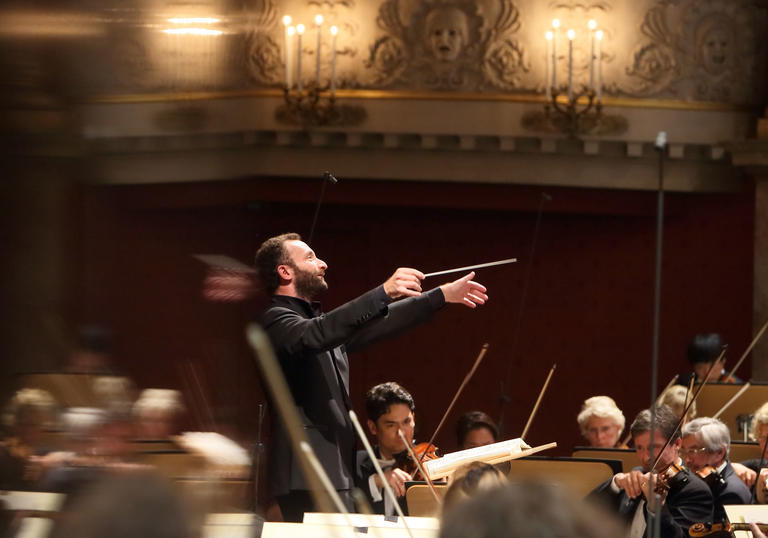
{"x": 309, "y": 102}
{"x": 570, "y": 109}
{"x": 569, "y": 116}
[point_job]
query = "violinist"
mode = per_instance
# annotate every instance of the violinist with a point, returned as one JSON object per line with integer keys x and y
{"x": 686, "y": 500}
{"x": 703, "y": 350}
{"x": 389, "y": 408}
{"x": 706, "y": 442}
{"x": 474, "y": 429}
{"x": 601, "y": 422}
{"x": 749, "y": 469}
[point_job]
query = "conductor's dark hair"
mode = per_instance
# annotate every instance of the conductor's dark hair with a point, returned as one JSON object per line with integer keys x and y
{"x": 665, "y": 421}
{"x": 474, "y": 420}
{"x": 270, "y": 255}
{"x": 379, "y": 398}
{"x": 705, "y": 348}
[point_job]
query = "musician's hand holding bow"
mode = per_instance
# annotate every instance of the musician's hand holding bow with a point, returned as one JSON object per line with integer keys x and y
{"x": 746, "y": 474}
{"x": 465, "y": 291}
{"x": 661, "y": 490}
{"x": 631, "y": 482}
{"x": 762, "y": 487}
{"x": 396, "y": 478}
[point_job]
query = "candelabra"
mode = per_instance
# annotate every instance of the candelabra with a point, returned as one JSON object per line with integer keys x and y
{"x": 311, "y": 104}
{"x": 315, "y": 106}
{"x": 568, "y": 110}
{"x": 573, "y": 117}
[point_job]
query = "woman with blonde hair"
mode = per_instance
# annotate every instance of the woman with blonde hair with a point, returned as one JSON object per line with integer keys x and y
{"x": 677, "y": 397}
{"x": 601, "y": 422}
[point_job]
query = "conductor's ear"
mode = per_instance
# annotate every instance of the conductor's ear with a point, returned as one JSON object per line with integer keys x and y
{"x": 285, "y": 272}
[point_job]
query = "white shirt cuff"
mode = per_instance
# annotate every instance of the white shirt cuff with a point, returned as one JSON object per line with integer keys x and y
{"x": 614, "y": 487}
{"x": 375, "y": 492}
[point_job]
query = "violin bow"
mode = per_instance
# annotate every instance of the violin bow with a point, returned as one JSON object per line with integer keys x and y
{"x": 379, "y": 471}
{"x": 538, "y": 401}
{"x": 415, "y": 458}
{"x": 688, "y": 393}
{"x": 735, "y": 397}
{"x": 749, "y": 348}
{"x": 687, "y": 408}
{"x": 479, "y": 359}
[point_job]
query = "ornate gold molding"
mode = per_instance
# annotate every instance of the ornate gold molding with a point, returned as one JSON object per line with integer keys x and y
{"x": 621, "y": 102}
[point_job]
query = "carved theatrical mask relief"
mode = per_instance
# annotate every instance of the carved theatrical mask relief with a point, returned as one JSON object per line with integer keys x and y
{"x": 447, "y": 45}
{"x": 696, "y": 50}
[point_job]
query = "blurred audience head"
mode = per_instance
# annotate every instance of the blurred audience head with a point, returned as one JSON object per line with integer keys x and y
{"x": 157, "y": 413}
{"x": 526, "y": 510}
{"x": 139, "y": 505}
{"x": 470, "y": 479}
{"x": 28, "y": 413}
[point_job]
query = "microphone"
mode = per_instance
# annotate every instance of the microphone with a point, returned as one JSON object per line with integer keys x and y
{"x": 661, "y": 140}
{"x": 327, "y": 178}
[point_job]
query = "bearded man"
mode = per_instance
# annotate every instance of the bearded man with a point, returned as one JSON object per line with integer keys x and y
{"x": 312, "y": 349}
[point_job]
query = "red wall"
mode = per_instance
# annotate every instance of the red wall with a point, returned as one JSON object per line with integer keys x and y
{"x": 588, "y": 308}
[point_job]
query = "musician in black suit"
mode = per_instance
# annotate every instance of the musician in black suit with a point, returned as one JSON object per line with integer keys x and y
{"x": 688, "y": 499}
{"x": 312, "y": 349}
{"x": 389, "y": 408}
{"x": 706, "y": 442}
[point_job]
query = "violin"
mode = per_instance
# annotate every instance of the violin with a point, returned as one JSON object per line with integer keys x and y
{"x": 673, "y": 477}
{"x": 711, "y": 477}
{"x": 721, "y": 530}
{"x": 423, "y": 451}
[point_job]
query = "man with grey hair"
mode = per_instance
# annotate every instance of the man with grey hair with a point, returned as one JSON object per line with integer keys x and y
{"x": 687, "y": 500}
{"x": 706, "y": 442}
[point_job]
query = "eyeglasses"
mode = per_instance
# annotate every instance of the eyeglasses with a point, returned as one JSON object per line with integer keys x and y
{"x": 692, "y": 451}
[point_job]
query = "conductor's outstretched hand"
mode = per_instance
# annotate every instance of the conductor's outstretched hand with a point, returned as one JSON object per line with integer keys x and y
{"x": 405, "y": 282}
{"x": 465, "y": 291}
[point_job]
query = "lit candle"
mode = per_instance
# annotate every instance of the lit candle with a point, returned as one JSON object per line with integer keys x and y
{"x": 548, "y": 79}
{"x": 592, "y": 25}
{"x": 319, "y": 25}
{"x": 300, "y": 31}
{"x": 290, "y": 32}
{"x": 334, "y": 31}
{"x": 599, "y": 36}
{"x": 555, "y": 26}
{"x": 571, "y": 36}
{"x": 286, "y": 55}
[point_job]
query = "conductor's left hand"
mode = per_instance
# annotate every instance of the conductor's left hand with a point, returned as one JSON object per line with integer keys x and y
{"x": 465, "y": 291}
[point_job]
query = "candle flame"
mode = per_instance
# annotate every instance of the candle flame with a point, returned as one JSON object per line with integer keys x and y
{"x": 571, "y": 34}
{"x": 300, "y": 29}
{"x": 192, "y": 31}
{"x": 318, "y": 19}
{"x": 287, "y": 20}
{"x": 193, "y": 20}
{"x": 599, "y": 34}
{"x": 291, "y": 30}
{"x": 549, "y": 36}
{"x": 334, "y": 30}
{"x": 555, "y": 23}
{"x": 592, "y": 24}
